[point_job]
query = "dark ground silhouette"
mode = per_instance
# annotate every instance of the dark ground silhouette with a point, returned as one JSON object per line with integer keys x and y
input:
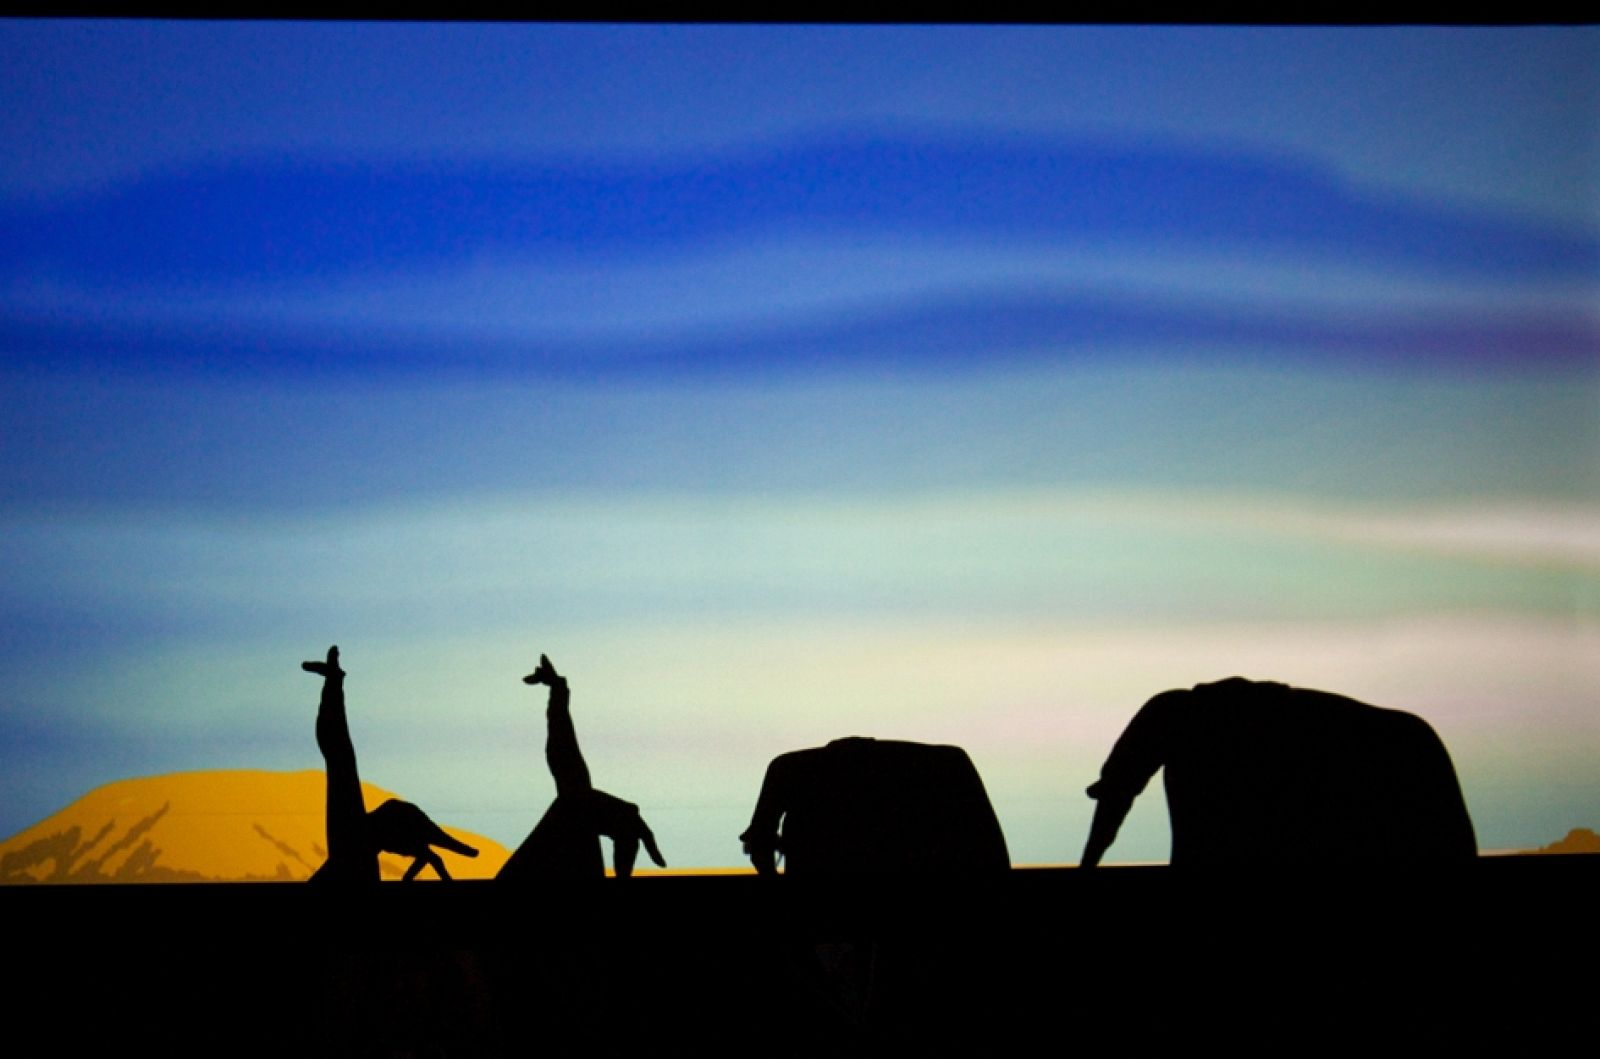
{"x": 866, "y": 806}
{"x": 565, "y": 843}
{"x": 1257, "y": 771}
{"x": 1471, "y": 959}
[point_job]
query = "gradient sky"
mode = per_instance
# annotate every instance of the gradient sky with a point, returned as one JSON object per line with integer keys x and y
{"x": 956, "y": 384}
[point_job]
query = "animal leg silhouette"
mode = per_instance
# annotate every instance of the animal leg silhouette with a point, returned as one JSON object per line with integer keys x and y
{"x": 620, "y": 821}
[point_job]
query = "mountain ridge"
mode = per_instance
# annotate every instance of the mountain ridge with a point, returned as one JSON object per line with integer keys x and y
{"x": 226, "y": 825}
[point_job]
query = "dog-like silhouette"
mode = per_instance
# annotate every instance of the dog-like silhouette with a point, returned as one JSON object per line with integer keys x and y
{"x": 1261, "y": 771}
{"x": 863, "y": 806}
{"x": 565, "y": 843}
{"x": 402, "y": 828}
{"x": 356, "y": 836}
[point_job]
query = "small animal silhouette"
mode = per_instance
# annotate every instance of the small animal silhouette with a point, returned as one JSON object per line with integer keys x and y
{"x": 565, "y": 843}
{"x": 400, "y": 827}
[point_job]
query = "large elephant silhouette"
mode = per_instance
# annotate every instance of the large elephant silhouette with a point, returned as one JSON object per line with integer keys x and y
{"x": 1258, "y": 771}
{"x": 867, "y": 806}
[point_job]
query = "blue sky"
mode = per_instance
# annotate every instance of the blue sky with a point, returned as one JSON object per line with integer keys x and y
{"x": 962, "y": 384}
{"x": 1501, "y": 115}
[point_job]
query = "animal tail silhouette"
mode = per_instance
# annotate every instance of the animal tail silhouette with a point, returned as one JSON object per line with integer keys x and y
{"x": 455, "y": 845}
{"x": 400, "y": 827}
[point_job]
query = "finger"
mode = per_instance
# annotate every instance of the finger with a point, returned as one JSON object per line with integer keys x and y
{"x": 650, "y": 846}
{"x": 623, "y": 853}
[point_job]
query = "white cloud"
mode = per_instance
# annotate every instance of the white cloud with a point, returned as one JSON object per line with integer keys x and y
{"x": 1077, "y": 556}
{"x": 1551, "y": 535}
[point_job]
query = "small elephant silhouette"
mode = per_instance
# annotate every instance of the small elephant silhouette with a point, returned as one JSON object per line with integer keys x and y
{"x": 402, "y": 828}
{"x": 862, "y": 806}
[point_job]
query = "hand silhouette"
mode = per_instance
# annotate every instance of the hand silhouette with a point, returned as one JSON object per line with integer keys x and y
{"x": 620, "y": 821}
{"x": 329, "y": 668}
{"x": 545, "y": 674}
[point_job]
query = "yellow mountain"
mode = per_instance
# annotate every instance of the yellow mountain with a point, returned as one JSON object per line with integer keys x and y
{"x": 221, "y": 826}
{"x": 1578, "y": 840}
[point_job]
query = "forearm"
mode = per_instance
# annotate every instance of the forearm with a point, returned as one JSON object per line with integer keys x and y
{"x": 760, "y": 841}
{"x": 561, "y": 752}
{"x": 333, "y": 728}
{"x": 762, "y": 849}
{"x": 1109, "y": 812}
